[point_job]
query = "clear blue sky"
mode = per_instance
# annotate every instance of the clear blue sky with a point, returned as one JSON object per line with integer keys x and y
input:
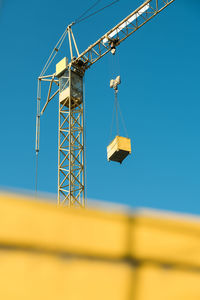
{"x": 159, "y": 97}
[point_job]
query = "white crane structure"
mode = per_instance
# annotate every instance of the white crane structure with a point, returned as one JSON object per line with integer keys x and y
{"x": 68, "y": 79}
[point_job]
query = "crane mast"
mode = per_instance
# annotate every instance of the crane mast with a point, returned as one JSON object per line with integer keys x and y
{"x": 69, "y": 80}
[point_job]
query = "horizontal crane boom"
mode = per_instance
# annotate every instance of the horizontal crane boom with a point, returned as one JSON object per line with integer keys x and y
{"x": 120, "y": 32}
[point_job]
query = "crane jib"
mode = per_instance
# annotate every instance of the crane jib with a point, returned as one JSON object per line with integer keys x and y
{"x": 121, "y": 31}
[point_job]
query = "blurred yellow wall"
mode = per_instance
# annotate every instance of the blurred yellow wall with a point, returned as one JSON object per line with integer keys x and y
{"x": 50, "y": 252}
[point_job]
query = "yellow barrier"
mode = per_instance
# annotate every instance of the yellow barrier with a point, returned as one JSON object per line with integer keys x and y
{"x": 47, "y": 227}
{"x": 169, "y": 240}
{"x": 156, "y": 283}
{"x": 49, "y": 252}
{"x": 34, "y": 276}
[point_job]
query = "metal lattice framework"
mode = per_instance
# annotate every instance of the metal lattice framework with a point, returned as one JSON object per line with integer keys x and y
{"x": 144, "y": 13}
{"x": 71, "y": 153}
{"x": 71, "y": 190}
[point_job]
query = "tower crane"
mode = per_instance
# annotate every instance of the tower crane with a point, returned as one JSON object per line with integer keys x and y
{"x": 68, "y": 80}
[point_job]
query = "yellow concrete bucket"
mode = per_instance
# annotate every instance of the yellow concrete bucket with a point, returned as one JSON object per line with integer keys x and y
{"x": 119, "y": 149}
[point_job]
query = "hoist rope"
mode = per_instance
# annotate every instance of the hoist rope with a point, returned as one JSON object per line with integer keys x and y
{"x": 117, "y": 118}
{"x": 116, "y": 112}
{"x": 111, "y": 127}
{"x": 123, "y": 122}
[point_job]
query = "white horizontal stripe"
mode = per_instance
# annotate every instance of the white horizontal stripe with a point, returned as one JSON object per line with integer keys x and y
{"x": 130, "y": 20}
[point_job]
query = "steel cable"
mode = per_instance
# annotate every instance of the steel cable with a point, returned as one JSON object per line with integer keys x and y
{"x": 96, "y": 12}
{"x": 91, "y": 7}
{"x": 116, "y": 116}
{"x": 62, "y": 38}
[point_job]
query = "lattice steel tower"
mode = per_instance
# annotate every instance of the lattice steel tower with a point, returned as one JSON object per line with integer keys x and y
{"x": 71, "y": 135}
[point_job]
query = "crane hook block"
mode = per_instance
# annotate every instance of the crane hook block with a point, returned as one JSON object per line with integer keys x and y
{"x": 115, "y": 82}
{"x": 119, "y": 149}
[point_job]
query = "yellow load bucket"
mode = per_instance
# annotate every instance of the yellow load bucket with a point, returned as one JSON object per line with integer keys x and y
{"x": 119, "y": 149}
